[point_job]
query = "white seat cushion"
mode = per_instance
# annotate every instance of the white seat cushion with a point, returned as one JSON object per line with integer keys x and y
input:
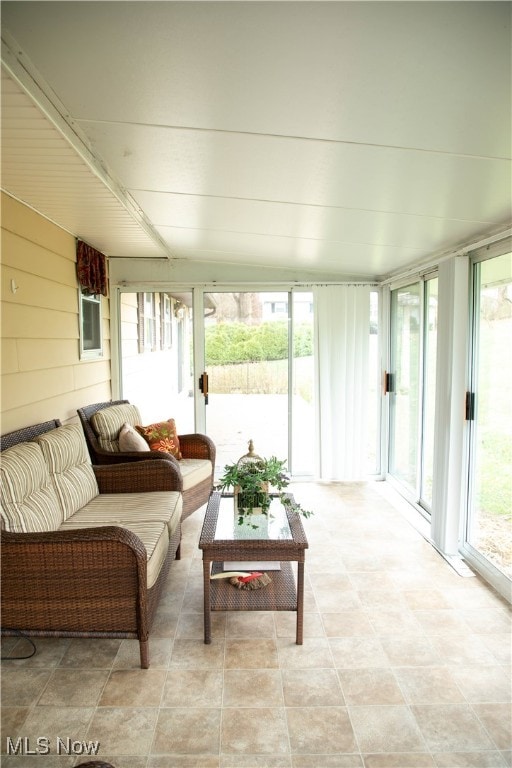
{"x": 126, "y": 508}
{"x": 153, "y": 517}
{"x": 194, "y": 471}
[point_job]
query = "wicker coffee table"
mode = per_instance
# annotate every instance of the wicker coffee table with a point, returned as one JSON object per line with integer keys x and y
{"x": 277, "y": 537}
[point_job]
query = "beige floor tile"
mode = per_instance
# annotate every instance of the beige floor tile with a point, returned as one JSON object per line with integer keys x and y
{"x": 450, "y": 727}
{"x": 313, "y": 654}
{"x": 381, "y": 597}
{"x": 394, "y": 621}
{"x": 370, "y": 686}
{"x": 124, "y": 761}
{"x": 358, "y": 652}
{"x": 194, "y": 654}
{"x": 487, "y": 621}
{"x": 254, "y": 731}
{"x": 428, "y": 685}
{"x": 485, "y": 684}
{"x": 370, "y": 582}
{"x": 255, "y": 761}
{"x": 286, "y": 624}
{"x": 123, "y": 730}
{"x": 499, "y": 645}
{"x": 338, "y": 600}
{"x": 497, "y": 719}
{"x": 328, "y": 583}
{"x": 128, "y": 655}
{"x": 419, "y": 676}
{"x": 253, "y": 688}
{"x": 406, "y": 580}
{"x": 386, "y": 729}
{"x": 462, "y": 650}
{"x": 356, "y": 559}
{"x": 74, "y": 687}
{"x": 58, "y": 724}
{"x": 311, "y": 688}
{"x": 425, "y": 599}
{"x": 49, "y": 652}
{"x": 324, "y": 558}
{"x": 410, "y": 651}
{"x": 482, "y": 759}
{"x": 12, "y": 722}
{"x": 22, "y": 687}
{"x": 165, "y": 623}
{"x": 251, "y": 654}
{"x": 193, "y": 597}
{"x": 133, "y": 688}
{"x": 246, "y": 624}
{"x": 445, "y": 621}
{"x": 191, "y": 626}
{"x": 399, "y": 760}
{"x": 181, "y": 761}
{"x": 191, "y": 731}
{"x": 347, "y": 624}
{"x": 193, "y": 688}
{"x": 470, "y": 594}
{"x": 38, "y": 761}
{"x": 91, "y": 653}
{"x": 320, "y": 730}
{"x": 327, "y": 761}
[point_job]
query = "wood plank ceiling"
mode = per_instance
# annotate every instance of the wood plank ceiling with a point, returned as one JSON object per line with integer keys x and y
{"x": 349, "y": 138}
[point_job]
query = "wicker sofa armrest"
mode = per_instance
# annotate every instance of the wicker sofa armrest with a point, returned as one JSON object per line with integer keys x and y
{"x": 60, "y": 578}
{"x": 139, "y": 477}
{"x": 197, "y": 446}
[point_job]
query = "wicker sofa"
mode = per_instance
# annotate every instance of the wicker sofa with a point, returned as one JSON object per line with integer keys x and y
{"x": 85, "y": 549}
{"x": 194, "y": 472}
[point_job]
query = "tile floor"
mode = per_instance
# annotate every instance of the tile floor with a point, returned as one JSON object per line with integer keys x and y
{"x": 405, "y": 664}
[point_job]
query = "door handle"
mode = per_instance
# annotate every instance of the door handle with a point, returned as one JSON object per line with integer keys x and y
{"x": 389, "y": 382}
{"x": 203, "y": 386}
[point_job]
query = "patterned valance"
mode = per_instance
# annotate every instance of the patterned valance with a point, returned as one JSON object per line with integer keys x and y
{"x": 91, "y": 268}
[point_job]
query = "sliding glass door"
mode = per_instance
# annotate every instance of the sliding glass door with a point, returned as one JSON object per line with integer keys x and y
{"x": 259, "y": 363}
{"x": 411, "y": 386}
{"x": 488, "y": 534}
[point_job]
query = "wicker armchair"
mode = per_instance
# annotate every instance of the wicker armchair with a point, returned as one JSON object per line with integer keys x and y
{"x": 87, "y": 582}
{"x": 192, "y": 446}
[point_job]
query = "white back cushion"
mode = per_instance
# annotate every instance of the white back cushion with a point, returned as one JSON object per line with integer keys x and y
{"x": 65, "y": 452}
{"x": 130, "y": 440}
{"x": 108, "y": 422}
{"x": 29, "y": 501}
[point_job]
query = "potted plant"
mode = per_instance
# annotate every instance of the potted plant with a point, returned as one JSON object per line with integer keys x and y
{"x": 253, "y": 478}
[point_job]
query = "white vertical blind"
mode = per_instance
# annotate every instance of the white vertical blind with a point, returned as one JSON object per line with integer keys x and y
{"x": 342, "y": 327}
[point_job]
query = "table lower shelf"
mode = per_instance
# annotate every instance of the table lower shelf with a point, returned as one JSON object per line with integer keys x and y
{"x": 279, "y": 595}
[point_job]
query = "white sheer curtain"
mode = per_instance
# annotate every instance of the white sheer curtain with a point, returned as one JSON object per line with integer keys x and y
{"x": 342, "y": 327}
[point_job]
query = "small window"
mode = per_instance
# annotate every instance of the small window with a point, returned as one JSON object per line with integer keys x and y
{"x": 149, "y": 322}
{"x": 146, "y": 322}
{"x": 91, "y": 337}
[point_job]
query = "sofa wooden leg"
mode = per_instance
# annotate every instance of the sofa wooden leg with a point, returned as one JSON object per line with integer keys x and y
{"x": 144, "y": 654}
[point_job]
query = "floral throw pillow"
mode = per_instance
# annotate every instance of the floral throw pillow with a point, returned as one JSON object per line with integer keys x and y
{"x": 162, "y": 436}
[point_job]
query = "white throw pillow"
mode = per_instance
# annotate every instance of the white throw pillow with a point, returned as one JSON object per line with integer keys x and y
{"x": 130, "y": 440}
